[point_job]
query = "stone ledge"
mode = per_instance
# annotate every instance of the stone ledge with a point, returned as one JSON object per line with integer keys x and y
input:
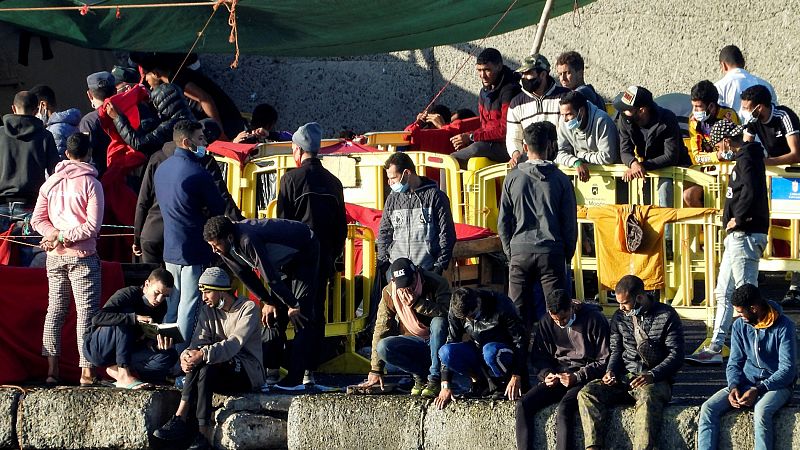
{"x": 9, "y": 400}
{"x": 400, "y": 422}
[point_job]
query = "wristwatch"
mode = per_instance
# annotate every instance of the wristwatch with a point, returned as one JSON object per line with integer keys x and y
{"x": 577, "y": 163}
{"x": 472, "y": 137}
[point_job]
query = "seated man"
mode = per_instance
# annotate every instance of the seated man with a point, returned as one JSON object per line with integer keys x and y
{"x": 433, "y": 130}
{"x": 570, "y": 350}
{"x": 586, "y": 135}
{"x": 116, "y": 340}
{"x": 646, "y": 354}
{"x": 224, "y": 356}
{"x": 275, "y": 247}
{"x": 495, "y": 351}
{"x": 761, "y": 371}
{"x": 410, "y": 327}
{"x": 570, "y": 68}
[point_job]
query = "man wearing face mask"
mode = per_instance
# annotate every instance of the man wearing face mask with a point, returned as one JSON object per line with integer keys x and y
{"x": 416, "y": 223}
{"x": 586, "y": 135}
{"x": 62, "y": 124}
{"x": 646, "y": 354}
{"x": 538, "y": 102}
{"x": 494, "y": 354}
{"x": 187, "y": 196}
{"x": 410, "y": 328}
{"x": 571, "y": 349}
{"x": 776, "y": 126}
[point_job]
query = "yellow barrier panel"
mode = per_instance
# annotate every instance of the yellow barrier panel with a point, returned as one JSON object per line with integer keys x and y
{"x": 387, "y": 141}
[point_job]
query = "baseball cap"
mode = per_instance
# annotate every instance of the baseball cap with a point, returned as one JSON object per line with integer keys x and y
{"x": 724, "y": 129}
{"x": 403, "y": 272}
{"x": 537, "y": 62}
{"x": 100, "y": 80}
{"x": 633, "y": 97}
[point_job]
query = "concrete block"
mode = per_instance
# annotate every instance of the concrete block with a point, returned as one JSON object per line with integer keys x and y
{"x": 244, "y": 430}
{"x": 77, "y": 418}
{"x": 273, "y": 403}
{"x": 737, "y": 432}
{"x": 9, "y": 400}
{"x": 470, "y": 424}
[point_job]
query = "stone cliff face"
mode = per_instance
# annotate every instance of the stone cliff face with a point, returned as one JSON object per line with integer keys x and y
{"x": 666, "y": 46}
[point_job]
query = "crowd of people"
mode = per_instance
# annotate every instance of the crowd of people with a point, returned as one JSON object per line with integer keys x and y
{"x": 63, "y": 177}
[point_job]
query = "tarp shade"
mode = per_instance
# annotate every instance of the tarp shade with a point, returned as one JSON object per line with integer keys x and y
{"x": 316, "y": 28}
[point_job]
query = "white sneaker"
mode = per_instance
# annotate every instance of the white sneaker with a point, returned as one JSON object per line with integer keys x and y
{"x": 272, "y": 376}
{"x": 308, "y": 378}
{"x": 707, "y": 355}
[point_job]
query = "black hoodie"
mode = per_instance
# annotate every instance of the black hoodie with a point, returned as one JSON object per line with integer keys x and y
{"x": 538, "y": 212}
{"x": 27, "y": 149}
{"x": 746, "y": 198}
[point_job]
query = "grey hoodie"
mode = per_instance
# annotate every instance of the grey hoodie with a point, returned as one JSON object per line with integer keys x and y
{"x": 597, "y": 144}
{"x": 538, "y": 212}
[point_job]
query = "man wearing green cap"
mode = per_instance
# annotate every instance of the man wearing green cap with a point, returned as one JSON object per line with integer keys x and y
{"x": 538, "y": 102}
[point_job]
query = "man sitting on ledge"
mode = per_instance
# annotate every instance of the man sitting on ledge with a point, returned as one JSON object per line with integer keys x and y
{"x": 224, "y": 356}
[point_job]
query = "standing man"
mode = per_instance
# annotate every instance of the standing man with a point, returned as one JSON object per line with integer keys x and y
{"x": 500, "y": 85}
{"x": 761, "y": 371}
{"x": 62, "y": 124}
{"x": 538, "y": 102}
{"x": 776, "y": 126}
{"x": 314, "y": 196}
{"x": 569, "y": 67}
{"x": 416, "y": 223}
{"x": 187, "y": 195}
{"x": 735, "y": 79}
{"x": 570, "y": 350}
{"x": 101, "y": 85}
{"x": 646, "y": 354}
{"x": 746, "y": 219}
{"x": 274, "y": 248}
{"x": 411, "y": 327}
{"x": 537, "y": 224}
{"x": 586, "y": 135}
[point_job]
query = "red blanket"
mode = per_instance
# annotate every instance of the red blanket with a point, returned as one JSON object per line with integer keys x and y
{"x": 23, "y": 300}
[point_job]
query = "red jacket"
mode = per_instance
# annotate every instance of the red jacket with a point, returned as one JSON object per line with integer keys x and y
{"x": 493, "y": 106}
{"x": 437, "y": 140}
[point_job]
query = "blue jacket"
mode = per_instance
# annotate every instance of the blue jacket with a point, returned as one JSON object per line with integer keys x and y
{"x": 187, "y": 196}
{"x": 63, "y": 125}
{"x": 764, "y": 358}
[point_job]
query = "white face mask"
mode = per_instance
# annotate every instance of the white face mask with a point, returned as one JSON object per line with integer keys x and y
{"x": 700, "y": 116}
{"x": 569, "y": 324}
{"x": 633, "y": 312}
{"x": 221, "y": 304}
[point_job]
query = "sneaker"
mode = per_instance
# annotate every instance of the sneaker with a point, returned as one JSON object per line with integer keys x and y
{"x": 791, "y": 299}
{"x": 707, "y": 355}
{"x": 272, "y": 376}
{"x": 200, "y": 443}
{"x": 419, "y": 386}
{"x": 432, "y": 389}
{"x": 174, "y": 430}
{"x": 287, "y": 384}
{"x": 308, "y": 378}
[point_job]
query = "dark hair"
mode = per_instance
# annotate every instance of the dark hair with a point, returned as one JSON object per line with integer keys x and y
{"x": 44, "y": 94}
{"x": 747, "y": 295}
{"x": 558, "y": 300}
{"x": 731, "y": 55}
{"x": 442, "y": 110}
{"x": 538, "y": 136}
{"x": 162, "y": 276}
{"x": 758, "y": 94}
{"x": 217, "y": 228}
{"x": 463, "y": 302}
{"x": 401, "y": 161}
{"x": 78, "y": 145}
{"x": 706, "y": 92}
{"x": 184, "y": 129}
{"x": 573, "y": 98}
{"x": 26, "y": 103}
{"x": 572, "y": 59}
{"x": 103, "y": 92}
{"x": 490, "y": 56}
{"x": 465, "y": 113}
{"x": 631, "y": 285}
{"x": 211, "y": 129}
{"x": 264, "y": 116}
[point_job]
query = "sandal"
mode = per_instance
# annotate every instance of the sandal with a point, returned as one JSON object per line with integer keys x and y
{"x": 52, "y": 381}
{"x": 136, "y": 385}
{"x": 94, "y": 382}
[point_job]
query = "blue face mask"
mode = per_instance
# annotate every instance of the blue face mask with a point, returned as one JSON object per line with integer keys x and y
{"x": 569, "y": 324}
{"x": 200, "y": 151}
{"x": 574, "y": 123}
{"x": 400, "y": 187}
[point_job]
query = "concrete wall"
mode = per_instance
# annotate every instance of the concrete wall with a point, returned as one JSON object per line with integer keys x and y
{"x": 666, "y": 46}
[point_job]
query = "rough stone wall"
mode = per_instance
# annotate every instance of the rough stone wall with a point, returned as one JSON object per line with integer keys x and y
{"x": 666, "y": 46}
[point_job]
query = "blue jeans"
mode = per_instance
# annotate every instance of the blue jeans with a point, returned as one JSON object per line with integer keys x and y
{"x": 13, "y": 212}
{"x": 739, "y": 265}
{"x": 415, "y": 355}
{"x": 184, "y": 301}
{"x": 765, "y": 407}
{"x": 119, "y": 345}
{"x": 466, "y": 359}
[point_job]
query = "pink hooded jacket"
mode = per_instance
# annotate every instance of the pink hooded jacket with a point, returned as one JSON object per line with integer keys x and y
{"x": 71, "y": 201}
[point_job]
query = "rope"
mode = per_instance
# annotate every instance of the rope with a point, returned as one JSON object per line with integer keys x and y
{"x": 469, "y": 56}
{"x": 234, "y": 36}
{"x": 104, "y": 225}
{"x": 86, "y": 7}
{"x": 577, "y": 20}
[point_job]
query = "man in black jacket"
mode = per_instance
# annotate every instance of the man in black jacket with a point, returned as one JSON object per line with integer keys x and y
{"x": 117, "y": 341}
{"x": 314, "y": 196}
{"x": 494, "y": 354}
{"x": 537, "y": 224}
{"x": 746, "y": 220}
{"x": 646, "y": 354}
{"x": 274, "y": 247}
{"x": 571, "y": 349}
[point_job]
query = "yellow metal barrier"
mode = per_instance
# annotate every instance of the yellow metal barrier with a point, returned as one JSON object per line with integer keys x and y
{"x": 387, "y": 141}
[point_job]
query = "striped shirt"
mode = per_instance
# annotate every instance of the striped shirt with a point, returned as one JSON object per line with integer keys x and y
{"x": 783, "y": 122}
{"x": 527, "y": 108}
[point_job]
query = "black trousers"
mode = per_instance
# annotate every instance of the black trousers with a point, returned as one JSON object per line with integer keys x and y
{"x": 525, "y": 269}
{"x": 496, "y": 151}
{"x": 538, "y": 398}
{"x": 201, "y": 383}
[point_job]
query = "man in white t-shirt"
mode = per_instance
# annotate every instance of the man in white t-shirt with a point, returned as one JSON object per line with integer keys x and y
{"x": 736, "y": 79}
